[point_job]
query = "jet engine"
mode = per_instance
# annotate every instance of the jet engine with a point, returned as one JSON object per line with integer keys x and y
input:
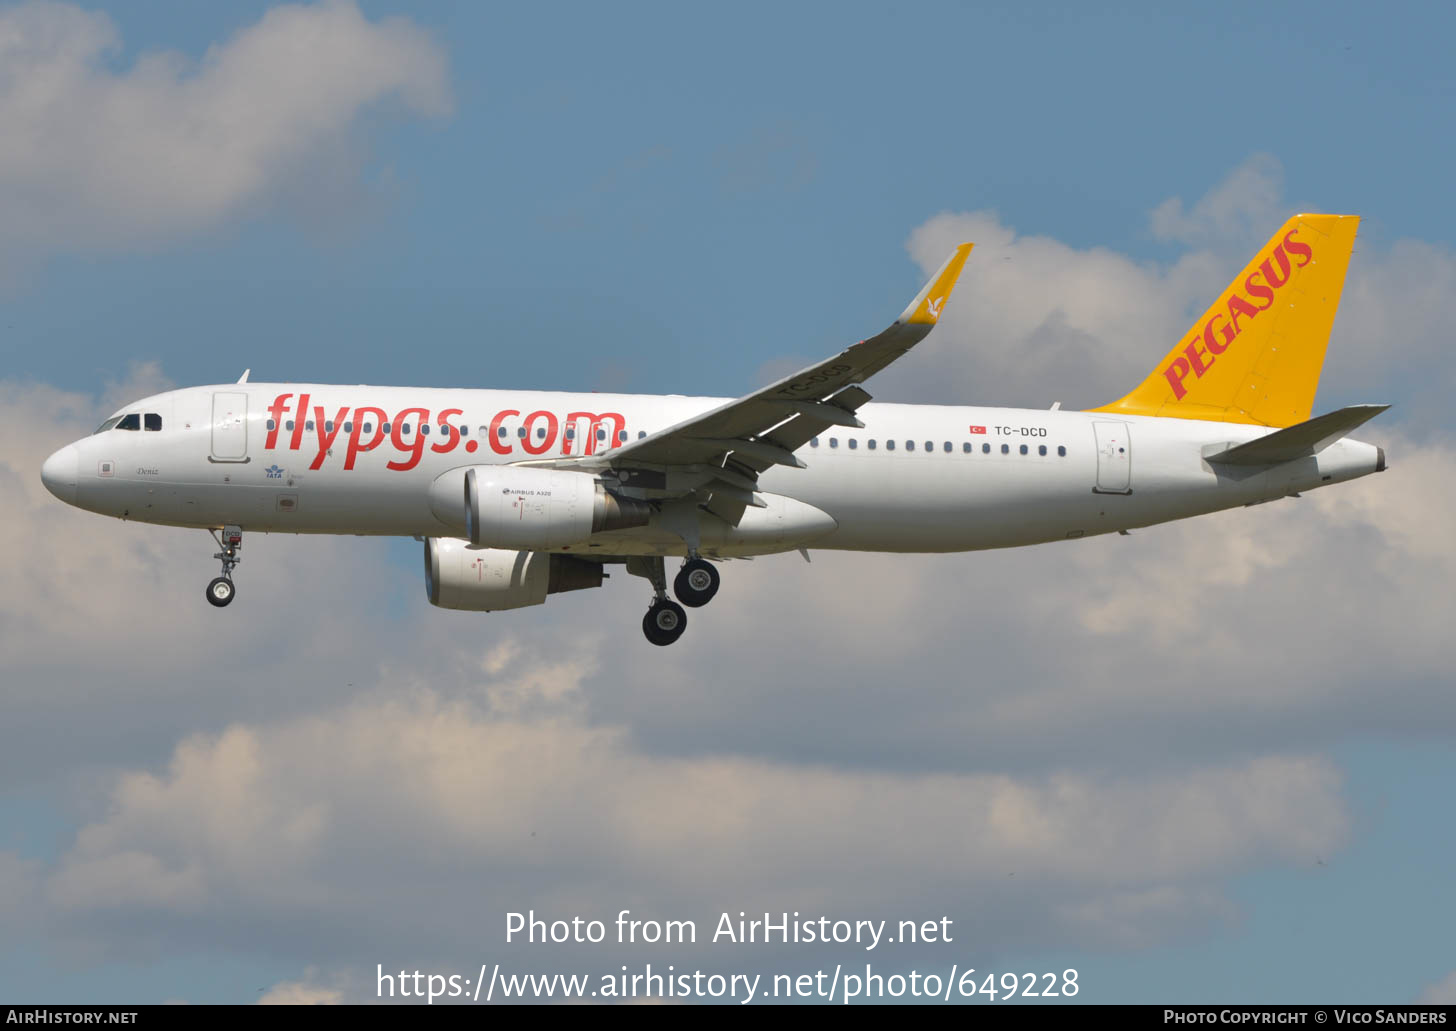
{"x": 519, "y": 507}
{"x": 460, "y": 575}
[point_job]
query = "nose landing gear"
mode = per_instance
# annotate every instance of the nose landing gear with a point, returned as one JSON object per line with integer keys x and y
{"x": 221, "y": 591}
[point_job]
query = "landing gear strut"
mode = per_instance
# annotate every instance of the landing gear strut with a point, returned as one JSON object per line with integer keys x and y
{"x": 665, "y": 620}
{"x": 221, "y": 591}
{"x": 696, "y": 583}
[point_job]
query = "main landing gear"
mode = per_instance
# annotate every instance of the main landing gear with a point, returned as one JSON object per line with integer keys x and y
{"x": 694, "y": 585}
{"x": 221, "y": 591}
{"x": 665, "y": 622}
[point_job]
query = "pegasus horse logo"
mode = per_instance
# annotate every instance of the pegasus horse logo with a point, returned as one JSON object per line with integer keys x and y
{"x": 933, "y": 304}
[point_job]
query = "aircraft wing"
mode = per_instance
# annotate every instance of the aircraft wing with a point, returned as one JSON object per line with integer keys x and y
{"x": 723, "y": 450}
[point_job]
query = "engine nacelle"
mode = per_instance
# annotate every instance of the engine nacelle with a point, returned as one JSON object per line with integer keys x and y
{"x": 529, "y": 509}
{"x": 459, "y": 575}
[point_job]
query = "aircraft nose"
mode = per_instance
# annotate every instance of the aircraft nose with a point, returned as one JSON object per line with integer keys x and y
{"x": 60, "y": 473}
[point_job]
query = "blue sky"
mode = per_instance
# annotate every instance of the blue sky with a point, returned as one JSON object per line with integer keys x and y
{"x": 670, "y": 198}
{"x": 616, "y": 176}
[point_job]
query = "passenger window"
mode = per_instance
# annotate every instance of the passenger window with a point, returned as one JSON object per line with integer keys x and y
{"x": 641, "y": 434}
{"x": 571, "y": 433}
{"x": 308, "y": 425}
{"x": 1061, "y": 451}
{"x": 464, "y": 430}
{"x": 872, "y": 443}
{"x": 368, "y": 427}
{"x": 853, "y": 444}
{"x": 1006, "y": 449}
{"x": 601, "y": 434}
{"x": 947, "y": 447}
{"x": 501, "y": 432}
{"x": 814, "y": 442}
{"x": 930, "y": 445}
{"x": 1041, "y": 450}
{"x": 384, "y": 428}
{"x": 966, "y": 447}
{"x": 621, "y": 436}
{"x": 328, "y": 426}
{"x": 833, "y": 441}
{"x": 130, "y": 422}
{"x": 909, "y": 445}
{"x": 272, "y": 425}
{"x": 985, "y": 449}
{"x": 349, "y": 426}
{"x": 289, "y": 425}
{"x": 889, "y": 445}
{"x": 1023, "y": 449}
{"x": 520, "y": 432}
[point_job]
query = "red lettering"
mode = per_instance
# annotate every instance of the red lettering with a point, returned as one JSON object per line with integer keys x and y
{"x": 528, "y": 441}
{"x": 1293, "y": 246}
{"x": 396, "y": 436}
{"x": 1195, "y": 353}
{"x": 446, "y": 426}
{"x": 275, "y": 416}
{"x": 1237, "y": 306}
{"x": 326, "y": 436}
{"x": 376, "y": 429}
{"x": 1214, "y": 347}
{"x": 495, "y": 433}
{"x": 1254, "y": 288}
{"x": 1283, "y": 268}
{"x": 618, "y": 424}
{"x": 1175, "y": 374}
{"x": 302, "y": 411}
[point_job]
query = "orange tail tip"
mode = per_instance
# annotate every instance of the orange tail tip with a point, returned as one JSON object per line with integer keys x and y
{"x": 1255, "y": 356}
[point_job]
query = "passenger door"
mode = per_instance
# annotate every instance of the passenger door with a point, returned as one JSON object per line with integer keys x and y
{"x": 229, "y": 426}
{"x": 1114, "y": 458}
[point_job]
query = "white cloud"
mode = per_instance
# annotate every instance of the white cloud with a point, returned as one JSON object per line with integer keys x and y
{"x": 101, "y": 159}
{"x": 332, "y": 770}
{"x": 1241, "y": 211}
{"x": 301, "y": 993}
{"x": 302, "y": 821}
{"x": 1442, "y": 993}
{"x": 1034, "y": 320}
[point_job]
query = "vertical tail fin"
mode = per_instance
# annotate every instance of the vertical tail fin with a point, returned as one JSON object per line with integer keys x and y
{"x": 1255, "y": 355}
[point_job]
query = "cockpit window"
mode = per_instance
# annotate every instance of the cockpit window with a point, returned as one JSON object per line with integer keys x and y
{"x": 130, "y": 422}
{"x": 108, "y": 424}
{"x": 153, "y": 421}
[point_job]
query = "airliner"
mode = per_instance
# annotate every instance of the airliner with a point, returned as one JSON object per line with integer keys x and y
{"x": 517, "y": 495}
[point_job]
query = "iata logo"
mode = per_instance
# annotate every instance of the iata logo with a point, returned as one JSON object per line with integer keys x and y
{"x": 411, "y": 430}
{"x": 1221, "y": 329}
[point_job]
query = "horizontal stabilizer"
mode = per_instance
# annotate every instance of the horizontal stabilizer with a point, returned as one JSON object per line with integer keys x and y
{"x": 1300, "y": 440}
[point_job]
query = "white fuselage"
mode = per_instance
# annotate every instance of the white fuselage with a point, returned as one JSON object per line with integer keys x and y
{"x": 916, "y": 478}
